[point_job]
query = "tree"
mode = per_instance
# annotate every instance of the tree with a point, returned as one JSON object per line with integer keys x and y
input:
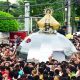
{"x": 35, "y": 10}
{"x": 4, "y": 6}
{"x": 38, "y": 10}
{"x": 7, "y": 25}
{"x": 78, "y": 10}
{"x": 75, "y": 12}
{"x": 13, "y": 9}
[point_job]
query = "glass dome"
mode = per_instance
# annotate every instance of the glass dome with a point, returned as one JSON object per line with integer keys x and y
{"x": 40, "y": 45}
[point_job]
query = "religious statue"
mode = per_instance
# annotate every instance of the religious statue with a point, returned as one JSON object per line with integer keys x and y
{"x": 48, "y": 23}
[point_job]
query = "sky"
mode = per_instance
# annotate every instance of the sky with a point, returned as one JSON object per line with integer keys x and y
{"x": 12, "y": 1}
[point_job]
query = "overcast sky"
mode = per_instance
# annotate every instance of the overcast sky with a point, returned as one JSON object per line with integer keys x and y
{"x": 12, "y": 1}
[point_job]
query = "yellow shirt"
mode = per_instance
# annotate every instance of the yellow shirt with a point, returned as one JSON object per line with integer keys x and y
{"x": 41, "y": 77}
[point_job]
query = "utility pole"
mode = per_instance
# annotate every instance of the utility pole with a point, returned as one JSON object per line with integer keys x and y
{"x": 27, "y": 16}
{"x": 8, "y": 6}
{"x": 65, "y": 12}
{"x": 69, "y": 16}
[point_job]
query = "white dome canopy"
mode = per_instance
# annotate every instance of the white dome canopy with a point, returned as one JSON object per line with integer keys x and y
{"x": 42, "y": 45}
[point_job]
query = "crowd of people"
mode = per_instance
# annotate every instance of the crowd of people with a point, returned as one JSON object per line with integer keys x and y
{"x": 14, "y": 68}
{"x": 76, "y": 41}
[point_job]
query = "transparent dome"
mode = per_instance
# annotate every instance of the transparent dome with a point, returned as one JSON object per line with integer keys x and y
{"x": 42, "y": 45}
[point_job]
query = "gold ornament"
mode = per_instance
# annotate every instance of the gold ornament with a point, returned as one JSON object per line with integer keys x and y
{"x": 48, "y": 20}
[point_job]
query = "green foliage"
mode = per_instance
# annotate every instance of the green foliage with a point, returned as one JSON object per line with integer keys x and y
{"x": 13, "y": 9}
{"x": 78, "y": 11}
{"x": 4, "y": 6}
{"x": 75, "y": 12}
{"x": 76, "y": 7}
{"x": 7, "y": 25}
{"x": 17, "y": 12}
{"x": 37, "y": 10}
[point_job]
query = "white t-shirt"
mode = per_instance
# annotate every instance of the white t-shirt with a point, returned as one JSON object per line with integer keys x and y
{"x": 78, "y": 73}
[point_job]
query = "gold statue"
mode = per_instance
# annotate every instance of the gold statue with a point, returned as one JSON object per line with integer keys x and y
{"x": 48, "y": 22}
